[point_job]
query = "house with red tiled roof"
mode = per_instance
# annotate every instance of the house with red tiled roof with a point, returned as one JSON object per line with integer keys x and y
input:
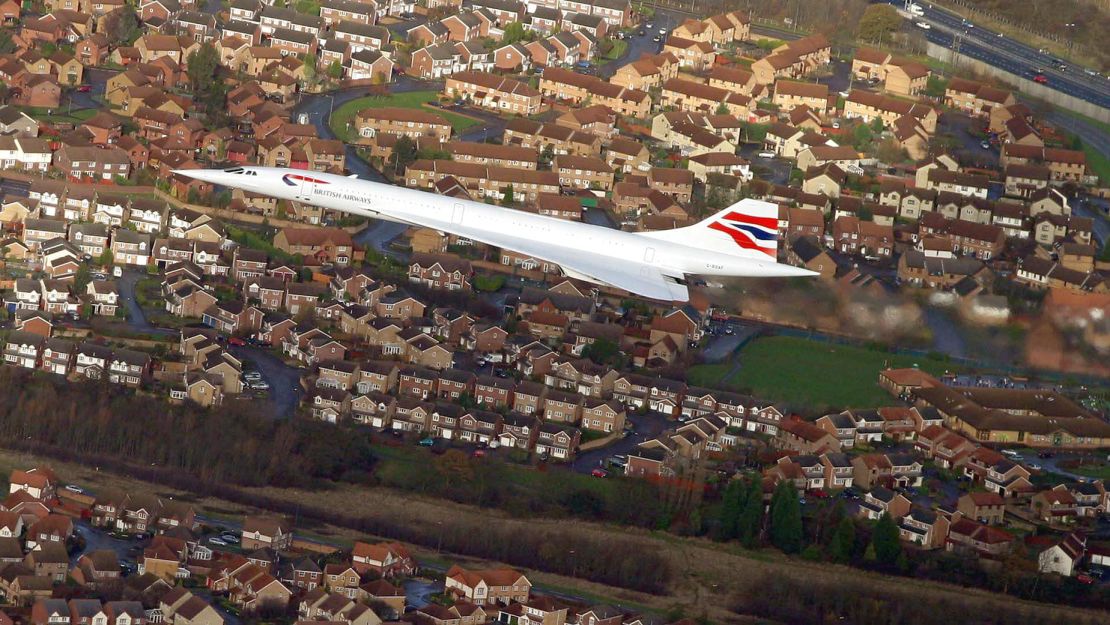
{"x": 966, "y": 535}
{"x": 1055, "y": 505}
{"x": 989, "y": 508}
{"x": 385, "y": 559}
{"x": 804, "y": 437}
{"x": 39, "y": 482}
{"x": 487, "y": 587}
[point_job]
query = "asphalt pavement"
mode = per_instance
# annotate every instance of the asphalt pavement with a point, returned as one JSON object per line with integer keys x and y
{"x": 136, "y": 318}
{"x": 1008, "y": 54}
{"x": 98, "y": 539}
{"x": 639, "y": 45}
{"x": 284, "y": 380}
{"x": 646, "y": 427}
{"x": 773, "y": 170}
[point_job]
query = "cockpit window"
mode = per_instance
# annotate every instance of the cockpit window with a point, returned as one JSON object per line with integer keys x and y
{"x": 234, "y": 170}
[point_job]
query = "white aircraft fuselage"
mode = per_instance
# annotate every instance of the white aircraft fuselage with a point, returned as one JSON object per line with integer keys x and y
{"x": 582, "y": 250}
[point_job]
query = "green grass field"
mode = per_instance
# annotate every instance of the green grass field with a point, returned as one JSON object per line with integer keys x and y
{"x": 59, "y": 115}
{"x": 809, "y": 373}
{"x": 412, "y": 99}
{"x": 1096, "y": 161}
{"x": 1099, "y": 471}
{"x": 620, "y": 46}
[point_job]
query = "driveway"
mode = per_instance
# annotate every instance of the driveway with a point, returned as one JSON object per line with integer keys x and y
{"x": 639, "y": 46}
{"x": 136, "y": 318}
{"x": 418, "y": 590}
{"x": 647, "y": 427}
{"x": 772, "y": 170}
{"x": 968, "y": 135}
{"x": 98, "y": 80}
{"x": 840, "y": 79}
{"x": 97, "y": 539}
{"x": 284, "y": 380}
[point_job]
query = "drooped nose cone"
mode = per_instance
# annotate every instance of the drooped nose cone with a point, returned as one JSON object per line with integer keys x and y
{"x": 212, "y": 176}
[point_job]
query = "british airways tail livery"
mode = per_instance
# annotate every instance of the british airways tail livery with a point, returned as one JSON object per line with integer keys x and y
{"x": 741, "y": 240}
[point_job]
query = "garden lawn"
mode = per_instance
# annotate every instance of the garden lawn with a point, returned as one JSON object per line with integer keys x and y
{"x": 1098, "y": 163}
{"x": 43, "y": 114}
{"x": 1099, "y": 471}
{"x": 811, "y": 373}
{"x": 619, "y": 47}
{"x": 411, "y": 99}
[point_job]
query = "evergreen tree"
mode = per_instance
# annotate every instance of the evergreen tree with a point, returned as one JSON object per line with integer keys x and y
{"x": 885, "y": 541}
{"x": 786, "y": 518}
{"x": 843, "y": 541}
{"x": 731, "y": 507}
{"x": 751, "y": 517}
{"x": 404, "y": 153}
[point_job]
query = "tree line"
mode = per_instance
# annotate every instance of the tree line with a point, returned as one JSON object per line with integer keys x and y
{"x": 216, "y": 453}
{"x": 826, "y": 599}
{"x": 237, "y": 443}
{"x": 829, "y": 535}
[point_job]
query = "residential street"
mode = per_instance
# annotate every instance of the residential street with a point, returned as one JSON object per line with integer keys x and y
{"x": 284, "y": 380}
{"x": 640, "y": 45}
{"x": 646, "y": 427}
{"x": 136, "y": 318}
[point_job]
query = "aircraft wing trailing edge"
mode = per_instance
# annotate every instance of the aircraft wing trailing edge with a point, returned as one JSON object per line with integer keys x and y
{"x": 635, "y": 277}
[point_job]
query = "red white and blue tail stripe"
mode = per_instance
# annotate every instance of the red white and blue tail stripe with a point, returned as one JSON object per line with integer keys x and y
{"x": 748, "y": 228}
{"x": 749, "y": 231}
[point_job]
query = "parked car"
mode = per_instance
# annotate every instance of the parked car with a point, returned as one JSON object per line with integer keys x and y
{"x": 1083, "y": 578}
{"x": 259, "y": 385}
{"x": 479, "y": 453}
{"x": 217, "y": 541}
{"x": 427, "y": 442}
{"x": 986, "y": 145}
{"x": 924, "y": 26}
{"x": 766, "y": 154}
{"x": 84, "y": 88}
{"x": 235, "y": 340}
{"x": 599, "y": 473}
{"x": 74, "y": 489}
{"x": 819, "y": 493}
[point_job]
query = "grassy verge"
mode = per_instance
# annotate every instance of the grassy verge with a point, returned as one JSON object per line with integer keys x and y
{"x": 412, "y": 99}
{"x": 619, "y": 47}
{"x": 43, "y": 114}
{"x": 811, "y": 373}
{"x": 1097, "y": 471}
{"x": 1098, "y": 163}
{"x": 256, "y": 241}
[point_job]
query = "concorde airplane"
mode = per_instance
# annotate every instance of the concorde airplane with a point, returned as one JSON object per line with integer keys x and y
{"x": 739, "y": 241}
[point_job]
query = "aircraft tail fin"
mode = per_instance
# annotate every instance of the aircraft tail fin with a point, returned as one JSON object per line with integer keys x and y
{"x": 748, "y": 228}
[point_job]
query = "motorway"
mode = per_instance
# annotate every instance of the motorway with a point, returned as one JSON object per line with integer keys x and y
{"x": 1006, "y": 53}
